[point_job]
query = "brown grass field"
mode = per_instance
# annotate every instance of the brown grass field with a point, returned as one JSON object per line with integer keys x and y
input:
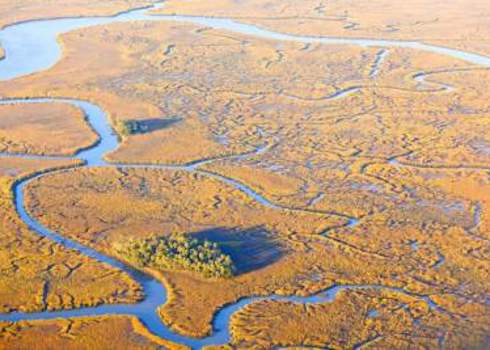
{"x": 44, "y": 129}
{"x": 268, "y": 253}
{"x": 40, "y": 275}
{"x": 117, "y": 332}
{"x": 25, "y": 10}
{"x": 459, "y": 23}
{"x": 409, "y": 158}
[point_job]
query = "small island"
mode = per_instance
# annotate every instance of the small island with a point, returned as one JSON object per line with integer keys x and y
{"x": 179, "y": 252}
{"x": 131, "y": 127}
{"x": 144, "y": 126}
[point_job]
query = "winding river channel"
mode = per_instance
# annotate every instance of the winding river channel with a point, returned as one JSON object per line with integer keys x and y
{"x": 32, "y": 47}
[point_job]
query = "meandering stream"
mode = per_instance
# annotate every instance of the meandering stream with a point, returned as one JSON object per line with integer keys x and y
{"x": 32, "y": 47}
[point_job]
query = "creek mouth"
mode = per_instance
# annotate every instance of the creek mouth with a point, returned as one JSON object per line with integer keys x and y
{"x": 32, "y": 47}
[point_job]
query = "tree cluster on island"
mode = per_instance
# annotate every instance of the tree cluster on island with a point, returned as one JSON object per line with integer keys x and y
{"x": 178, "y": 252}
{"x": 132, "y": 127}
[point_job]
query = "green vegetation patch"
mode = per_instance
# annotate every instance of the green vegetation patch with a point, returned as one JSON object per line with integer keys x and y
{"x": 143, "y": 126}
{"x": 179, "y": 252}
{"x": 131, "y": 127}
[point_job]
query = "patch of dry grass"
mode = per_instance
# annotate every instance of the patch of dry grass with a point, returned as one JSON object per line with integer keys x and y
{"x": 40, "y": 275}
{"x": 440, "y": 23}
{"x": 117, "y": 332}
{"x": 44, "y": 129}
{"x": 24, "y": 10}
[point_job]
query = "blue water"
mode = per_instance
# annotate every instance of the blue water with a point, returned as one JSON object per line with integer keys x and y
{"x": 24, "y": 41}
{"x": 32, "y": 47}
{"x": 96, "y": 117}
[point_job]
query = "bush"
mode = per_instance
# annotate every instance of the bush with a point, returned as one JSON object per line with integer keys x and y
{"x": 131, "y": 127}
{"x": 179, "y": 252}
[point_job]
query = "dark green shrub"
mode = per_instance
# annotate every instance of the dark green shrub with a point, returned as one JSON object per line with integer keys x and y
{"x": 131, "y": 127}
